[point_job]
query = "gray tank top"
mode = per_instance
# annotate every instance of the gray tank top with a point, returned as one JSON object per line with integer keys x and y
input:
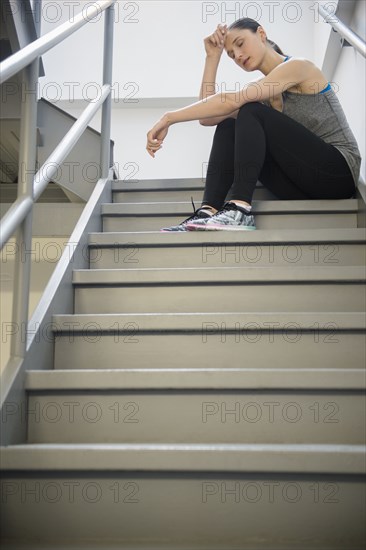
{"x": 323, "y": 115}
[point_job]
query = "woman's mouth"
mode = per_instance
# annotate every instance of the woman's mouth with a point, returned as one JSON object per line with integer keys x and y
{"x": 245, "y": 61}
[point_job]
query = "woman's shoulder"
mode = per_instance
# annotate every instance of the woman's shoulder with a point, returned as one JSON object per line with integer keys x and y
{"x": 290, "y": 59}
{"x": 314, "y": 80}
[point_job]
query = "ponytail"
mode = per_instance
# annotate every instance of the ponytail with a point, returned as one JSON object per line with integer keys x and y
{"x": 275, "y": 47}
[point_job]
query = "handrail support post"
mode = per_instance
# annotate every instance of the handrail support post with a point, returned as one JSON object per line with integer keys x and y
{"x": 26, "y": 172}
{"x": 107, "y": 80}
{"x": 37, "y": 15}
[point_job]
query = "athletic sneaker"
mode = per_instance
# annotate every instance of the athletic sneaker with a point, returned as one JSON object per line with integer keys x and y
{"x": 231, "y": 217}
{"x": 199, "y": 215}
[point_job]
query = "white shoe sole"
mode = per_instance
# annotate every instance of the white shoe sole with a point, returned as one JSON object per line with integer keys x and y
{"x": 219, "y": 228}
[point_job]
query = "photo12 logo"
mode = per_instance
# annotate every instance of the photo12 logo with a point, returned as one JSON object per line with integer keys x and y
{"x": 270, "y": 492}
{"x": 53, "y": 12}
{"x": 271, "y": 11}
{"x": 70, "y": 492}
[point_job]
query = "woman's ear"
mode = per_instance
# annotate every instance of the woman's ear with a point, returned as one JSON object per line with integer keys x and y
{"x": 262, "y": 34}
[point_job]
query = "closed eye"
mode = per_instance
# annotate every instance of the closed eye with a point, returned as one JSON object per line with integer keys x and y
{"x": 230, "y": 54}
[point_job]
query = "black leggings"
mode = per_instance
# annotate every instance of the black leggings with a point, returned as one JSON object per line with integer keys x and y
{"x": 287, "y": 158}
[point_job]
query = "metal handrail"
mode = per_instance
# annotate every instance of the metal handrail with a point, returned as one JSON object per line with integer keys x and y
{"x": 26, "y": 55}
{"x": 346, "y": 33}
{"x": 30, "y": 185}
{"x": 22, "y": 206}
{"x": 29, "y": 54}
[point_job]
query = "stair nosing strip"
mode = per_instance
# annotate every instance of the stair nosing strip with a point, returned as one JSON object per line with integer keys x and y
{"x": 163, "y": 322}
{"x": 303, "y": 459}
{"x": 221, "y": 275}
{"x": 200, "y": 379}
{"x": 202, "y": 238}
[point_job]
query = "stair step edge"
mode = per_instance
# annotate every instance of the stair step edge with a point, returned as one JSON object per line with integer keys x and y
{"x": 287, "y": 237}
{"x": 222, "y": 274}
{"x": 197, "y": 321}
{"x": 163, "y": 184}
{"x": 173, "y": 208}
{"x": 306, "y": 458}
{"x": 206, "y": 379}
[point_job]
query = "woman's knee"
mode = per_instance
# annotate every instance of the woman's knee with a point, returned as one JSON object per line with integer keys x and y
{"x": 251, "y": 107}
{"x": 225, "y": 129}
{"x": 227, "y": 124}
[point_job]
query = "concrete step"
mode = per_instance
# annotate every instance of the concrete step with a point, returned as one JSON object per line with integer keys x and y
{"x": 231, "y": 408}
{"x": 152, "y": 216}
{"x": 171, "y": 496}
{"x": 208, "y": 289}
{"x": 217, "y": 340}
{"x": 279, "y": 247}
{"x": 172, "y": 190}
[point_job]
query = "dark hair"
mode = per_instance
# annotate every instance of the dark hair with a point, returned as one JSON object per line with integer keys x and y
{"x": 252, "y": 24}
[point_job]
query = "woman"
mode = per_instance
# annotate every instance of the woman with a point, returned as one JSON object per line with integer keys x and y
{"x": 287, "y": 130}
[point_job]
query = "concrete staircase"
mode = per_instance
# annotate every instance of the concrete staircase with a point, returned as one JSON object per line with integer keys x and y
{"x": 208, "y": 392}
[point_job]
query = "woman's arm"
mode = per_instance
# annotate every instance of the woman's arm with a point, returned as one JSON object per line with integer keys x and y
{"x": 281, "y": 78}
{"x": 208, "y": 89}
{"x": 214, "y": 47}
{"x": 277, "y": 81}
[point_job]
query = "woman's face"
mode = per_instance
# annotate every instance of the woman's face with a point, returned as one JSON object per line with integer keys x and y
{"x": 245, "y": 47}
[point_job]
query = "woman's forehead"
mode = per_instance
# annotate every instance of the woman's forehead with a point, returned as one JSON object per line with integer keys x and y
{"x": 232, "y": 36}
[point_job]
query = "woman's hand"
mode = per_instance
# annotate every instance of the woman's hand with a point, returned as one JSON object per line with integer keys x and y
{"x": 156, "y": 135}
{"x": 214, "y": 44}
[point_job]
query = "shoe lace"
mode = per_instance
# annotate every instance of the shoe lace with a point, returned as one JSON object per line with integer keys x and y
{"x": 195, "y": 212}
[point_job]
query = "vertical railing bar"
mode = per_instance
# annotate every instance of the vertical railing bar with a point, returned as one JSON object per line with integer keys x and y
{"x": 37, "y": 12}
{"x": 107, "y": 79}
{"x": 26, "y": 172}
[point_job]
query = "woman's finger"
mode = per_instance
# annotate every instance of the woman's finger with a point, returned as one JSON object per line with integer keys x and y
{"x": 215, "y": 38}
{"x": 151, "y": 153}
{"x": 221, "y": 29}
{"x": 152, "y": 150}
{"x": 154, "y": 145}
{"x": 218, "y": 35}
{"x": 221, "y": 34}
{"x": 219, "y": 38}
